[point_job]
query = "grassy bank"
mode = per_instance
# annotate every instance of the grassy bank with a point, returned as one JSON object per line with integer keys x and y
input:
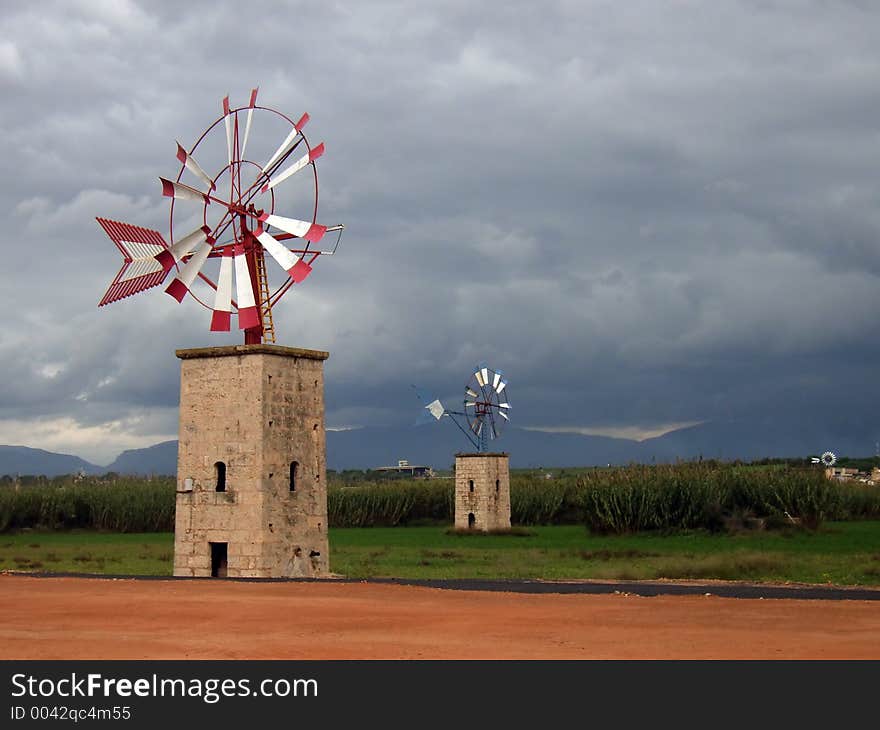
{"x": 840, "y": 552}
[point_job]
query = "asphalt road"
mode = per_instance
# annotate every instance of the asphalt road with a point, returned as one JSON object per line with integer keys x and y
{"x": 639, "y": 588}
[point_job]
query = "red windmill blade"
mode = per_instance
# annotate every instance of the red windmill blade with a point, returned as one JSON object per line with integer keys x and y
{"x": 227, "y": 248}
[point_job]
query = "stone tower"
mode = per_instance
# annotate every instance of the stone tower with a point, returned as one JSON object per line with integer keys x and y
{"x": 251, "y": 465}
{"x": 482, "y": 492}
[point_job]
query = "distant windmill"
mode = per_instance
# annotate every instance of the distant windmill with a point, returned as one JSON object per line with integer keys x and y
{"x": 485, "y": 407}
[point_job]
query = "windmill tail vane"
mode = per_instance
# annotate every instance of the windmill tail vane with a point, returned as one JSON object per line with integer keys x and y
{"x": 240, "y": 224}
{"x": 485, "y": 408}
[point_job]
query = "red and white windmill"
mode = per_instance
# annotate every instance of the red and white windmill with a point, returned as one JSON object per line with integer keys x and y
{"x": 230, "y": 219}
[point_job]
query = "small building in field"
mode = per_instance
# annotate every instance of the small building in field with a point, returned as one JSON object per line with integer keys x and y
{"x": 404, "y": 467}
{"x": 847, "y": 474}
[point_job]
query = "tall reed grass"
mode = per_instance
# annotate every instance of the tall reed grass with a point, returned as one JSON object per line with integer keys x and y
{"x": 615, "y": 500}
{"x": 123, "y": 505}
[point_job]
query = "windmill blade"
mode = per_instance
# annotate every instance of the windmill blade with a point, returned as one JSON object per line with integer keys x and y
{"x": 496, "y": 379}
{"x": 190, "y": 163}
{"x": 301, "y": 229}
{"x": 481, "y": 373}
{"x": 501, "y": 386}
{"x": 504, "y": 405}
{"x": 139, "y": 248}
{"x": 504, "y": 415}
{"x": 286, "y": 144}
{"x": 181, "y": 283}
{"x": 220, "y": 319}
{"x": 471, "y": 393}
{"x": 248, "y": 314}
{"x": 313, "y": 154}
{"x": 469, "y": 403}
{"x": 287, "y": 260}
{"x": 184, "y": 247}
{"x": 180, "y": 191}
{"x": 250, "y": 114}
{"x": 227, "y": 120}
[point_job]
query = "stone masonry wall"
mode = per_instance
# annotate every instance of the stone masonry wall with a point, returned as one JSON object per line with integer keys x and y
{"x": 256, "y": 408}
{"x": 489, "y": 500}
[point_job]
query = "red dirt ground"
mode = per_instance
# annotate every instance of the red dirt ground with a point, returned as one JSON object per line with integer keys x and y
{"x": 76, "y": 618}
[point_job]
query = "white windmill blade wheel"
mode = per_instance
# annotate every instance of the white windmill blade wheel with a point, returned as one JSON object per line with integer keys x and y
{"x": 222, "y": 314}
{"x": 287, "y": 143}
{"x": 312, "y": 155}
{"x": 250, "y": 116}
{"x": 227, "y": 120}
{"x": 184, "y": 247}
{"x": 248, "y": 314}
{"x": 301, "y": 229}
{"x": 179, "y": 191}
{"x": 181, "y": 283}
{"x": 286, "y": 259}
{"x": 190, "y": 163}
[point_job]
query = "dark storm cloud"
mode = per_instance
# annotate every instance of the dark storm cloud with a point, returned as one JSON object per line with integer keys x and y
{"x": 645, "y": 213}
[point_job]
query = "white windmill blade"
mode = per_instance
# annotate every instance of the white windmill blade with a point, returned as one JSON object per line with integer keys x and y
{"x": 227, "y": 120}
{"x": 179, "y": 191}
{"x": 190, "y": 163}
{"x": 220, "y": 319}
{"x": 181, "y": 283}
{"x": 250, "y": 115}
{"x": 287, "y": 143}
{"x": 481, "y": 373}
{"x": 496, "y": 379}
{"x": 301, "y": 229}
{"x": 504, "y": 405}
{"x": 248, "y": 314}
{"x": 313, "y": 154}
{"x": 501, "y": 386}
{"x": 470, "y": 404}
{"x": 184, "y": 247}
{"x": 471, "y": 393}
{"x": 504, "y": 415}
{"x": 287, "y": 259}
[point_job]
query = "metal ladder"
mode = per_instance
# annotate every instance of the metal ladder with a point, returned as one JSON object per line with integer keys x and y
{"x": 265, "y": 309}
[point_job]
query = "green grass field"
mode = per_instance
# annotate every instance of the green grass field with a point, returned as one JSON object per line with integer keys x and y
{"x": 845, "y": 553}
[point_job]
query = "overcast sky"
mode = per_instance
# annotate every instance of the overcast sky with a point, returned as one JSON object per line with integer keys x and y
{"x": 646, "y": 213}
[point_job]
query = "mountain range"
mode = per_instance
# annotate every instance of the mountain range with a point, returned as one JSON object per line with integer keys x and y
{"x": 435, "y": 445}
